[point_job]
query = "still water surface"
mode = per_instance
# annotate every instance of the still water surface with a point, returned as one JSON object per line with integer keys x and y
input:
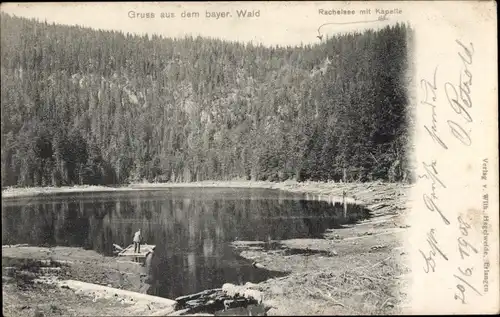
{"x": 192, "y": 227}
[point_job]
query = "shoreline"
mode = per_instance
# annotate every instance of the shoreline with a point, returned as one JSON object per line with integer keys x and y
{"x": 48, "y": 190}
{"x": 378, "y": 197}
{"x": 356, "y": 193}
{"x": 329, "y": 275}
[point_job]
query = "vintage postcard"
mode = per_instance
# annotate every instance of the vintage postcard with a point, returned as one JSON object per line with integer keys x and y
{"x": 249, "y": 158}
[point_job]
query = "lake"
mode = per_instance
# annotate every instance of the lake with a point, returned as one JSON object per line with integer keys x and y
{"x": 192, "y": 227}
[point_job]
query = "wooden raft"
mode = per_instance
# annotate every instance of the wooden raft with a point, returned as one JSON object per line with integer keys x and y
{"x": 129, "y": 251}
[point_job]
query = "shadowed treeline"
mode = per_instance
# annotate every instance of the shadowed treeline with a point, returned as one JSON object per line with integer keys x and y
{"x": 191, "y": 227}
{"x": 84, "y": 106}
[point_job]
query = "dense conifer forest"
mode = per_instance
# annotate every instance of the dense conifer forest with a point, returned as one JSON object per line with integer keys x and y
{"x": 85, "y": 106}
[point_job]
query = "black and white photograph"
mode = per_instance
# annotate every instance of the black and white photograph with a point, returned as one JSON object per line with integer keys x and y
{"x": 214, "y": 159}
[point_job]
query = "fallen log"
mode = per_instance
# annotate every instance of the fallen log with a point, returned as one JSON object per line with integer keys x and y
{"x": 183, "y": 299}
{"x": 50, "y": 269}
{"x": 15, "y": 245}
{"x": 242, "y": 291}
{"x": 117, "y": 247}
{"x": 219, "y": 299}
{"x": 55, "y": 262}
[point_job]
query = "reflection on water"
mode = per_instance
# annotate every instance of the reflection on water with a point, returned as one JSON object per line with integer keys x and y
{"x": 192, "y": 227}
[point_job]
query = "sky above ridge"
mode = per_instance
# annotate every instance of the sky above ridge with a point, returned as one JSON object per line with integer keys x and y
{"x": 282, "y": 23}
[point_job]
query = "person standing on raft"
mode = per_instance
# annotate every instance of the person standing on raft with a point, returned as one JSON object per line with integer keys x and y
{"x": 137, "y": 241}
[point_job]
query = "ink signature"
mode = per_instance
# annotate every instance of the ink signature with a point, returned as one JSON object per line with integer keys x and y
{"x": 429, "y": 260}
{"x": 431, "y": 92}
{"x": 459, "y": 98}
{"x": 458, "y": 95}
{"x": 430, "y": 201}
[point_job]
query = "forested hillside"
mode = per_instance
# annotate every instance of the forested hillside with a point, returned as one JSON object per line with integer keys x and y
{"x": 84, "y": 106}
